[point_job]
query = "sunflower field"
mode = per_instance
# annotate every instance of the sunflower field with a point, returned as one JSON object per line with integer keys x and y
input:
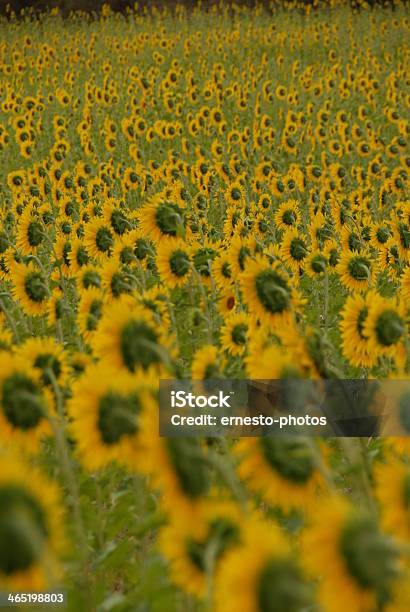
{"x": 220, "y": 192}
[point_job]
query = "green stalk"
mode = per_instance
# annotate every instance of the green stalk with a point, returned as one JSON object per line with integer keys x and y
{"x": 58, "y": 426}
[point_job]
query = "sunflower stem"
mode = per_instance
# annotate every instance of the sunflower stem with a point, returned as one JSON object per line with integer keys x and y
{"x": 59, "y": 330}
{"x": 173, "y": 320}
{"x": 210, "y": 559}
{"x": 58, "y": 426}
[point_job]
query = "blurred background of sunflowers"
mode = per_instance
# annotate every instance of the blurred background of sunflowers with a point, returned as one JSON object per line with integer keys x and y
{"x": 215, "y": 192}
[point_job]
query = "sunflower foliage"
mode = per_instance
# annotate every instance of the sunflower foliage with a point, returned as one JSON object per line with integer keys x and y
{"x": 202, "y": 194}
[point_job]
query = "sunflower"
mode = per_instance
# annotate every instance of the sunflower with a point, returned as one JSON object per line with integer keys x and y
{"x": 343, "y": 545}
{"x": 206, "y": 363}
{"x": 264, "y": 201}
{"x": 300, "y": 343}
{"x": 351, "y": 239}
{"x": 357, "y": 271}
{"x": 192, "y": 547}
{"x": 109, "y": 416}
{"x": 271, "y": 362}
{"x": 87, "y": 277}
{"x": 314, "y": 173}
{"x": 404, "y": 208}
{"x": 260, "y": 226}
{"x": 267, "y": 291}
{"x": 31, "y": 527}
{"x": 389, "y": 257}
{"x": 30, "y": 288}
{"x": 99, "y": 238}
{"x": 233, "y": 220}
{"x": 157, "y": 301}
{"x": 48, "y": 358}
{"x": 131, "y": 179}
{"x": 401, "y": 233}
{"x": 235, "y": 333}
{"x": 203, "y": 255}
{"x": 288, "y": 215}
{"x": 222, "y": 271}
{"x": 65, "y": 226}
{"x": 235, "y": 194}
{"x": 320, "y": 231}
{"x": 174, "y": 262}
{"x": 332, "y": 253}
{"x": 161, "y": 217}
{"x": 79, "y": 362}
{"x": 216, "y": 116}
{"x": 280, "y": 92}
{"x": 124, "y": 249}
{"x": 179, "y": 469}
{"x": 405, "y": 284}
{"x": 6, "y": 340}
{"x": 78, "y": 255}
{"x": 130, "y": 337}
{"x": 62, "y": 250}
{"x": 380, "y": 234}
{"x": 392, "y": 489}
{"x": 261, "y": 574}
{"x": 227, "y": 301}
{"x": 116, "y": 218}
{"x": 386, "y": 327}
{"x": 30, "y": 233}
{"x": 24, "y": 405}
{"x": 115, "y": 280}
{"x": 239, "y": 250}
{"x": 6, "y": 254}
{"x": 56, "y": 307}
{"x": 282, "y": 469}
{"x": 289, "y": 144}
{"x": 355, "y": 345}
{"x": 316, "y": 264}
{"x": 294, "y": 250}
